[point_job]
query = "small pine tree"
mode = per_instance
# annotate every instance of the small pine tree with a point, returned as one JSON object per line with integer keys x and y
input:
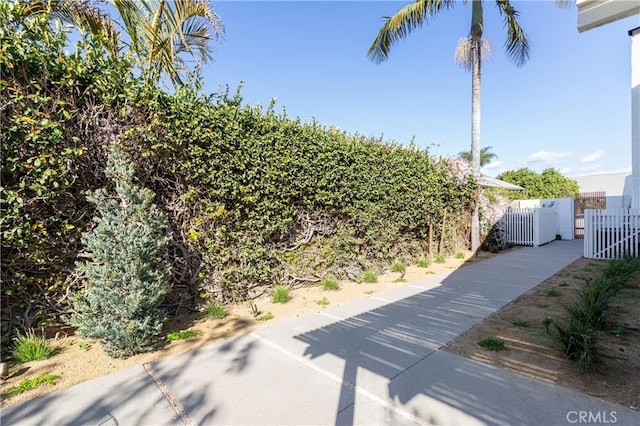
{"x": 127, "y": 278}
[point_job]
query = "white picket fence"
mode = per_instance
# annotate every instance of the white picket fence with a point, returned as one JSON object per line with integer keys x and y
{"x": 611, "y": 233}
{"x": 530, "y": 227}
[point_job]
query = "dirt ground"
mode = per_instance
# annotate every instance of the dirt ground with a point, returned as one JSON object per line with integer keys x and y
{"x": 530, "y": 349}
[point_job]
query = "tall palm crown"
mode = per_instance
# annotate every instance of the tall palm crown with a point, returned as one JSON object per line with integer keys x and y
{"x": 163, "y": 35}
{"x": 470, "y": 54}
{"x": 486, "y": 157}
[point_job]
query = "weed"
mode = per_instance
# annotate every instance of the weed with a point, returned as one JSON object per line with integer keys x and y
{"x": 280, "y": 294}
{"x": 183, "y": 335}
{"x": 329, "y": 283}
{"x": 83, "y": 346}
{"x": 520, "y": 323}
{"x": 440, "y": 258}
{"x": 563, "y": 284}
{"x": 369, "y": 276}
{"x": 28, "y": 384}
{"x": 215, "y": 310}
{"x": 542, "y": 305}
{"x": 30, "y": 347}
{"x": 579, "y": 277}
{"x": 400, "y": 280}
{"x": 400, "y": 268}
{"x": 265, "y": 317}
{"x": 459, "y": 255}
{"x": 423, "y": 263}
{"x": 618, "y": 330}
{"x": 552, "y": 292}
{"x": 430, "y": 273}
{"x": 369, "y": 292}
{"x": 323, "y": 302}
{"x": 493, "y": 344}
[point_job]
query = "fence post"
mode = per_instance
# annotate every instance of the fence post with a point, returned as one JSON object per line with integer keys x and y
{"x": 536, "y": 227}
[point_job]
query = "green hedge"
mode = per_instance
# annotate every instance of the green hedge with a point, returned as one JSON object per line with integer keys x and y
{"x": 253, "y": 197}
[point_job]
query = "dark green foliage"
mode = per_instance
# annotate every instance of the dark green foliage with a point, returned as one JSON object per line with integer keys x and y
{"x": 589, "y": 316}
{"x": 253, "y": 198}
{"x": 127, "y": 277}
{"x": 548, "y": 184}
{"x": 578, "y": 340}
{"x": 493, "y": 344}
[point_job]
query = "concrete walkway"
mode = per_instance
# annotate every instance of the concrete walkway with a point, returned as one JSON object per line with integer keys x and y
{"x": 372, "y": 362}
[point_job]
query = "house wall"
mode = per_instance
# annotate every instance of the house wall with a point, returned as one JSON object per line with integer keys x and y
{"x": 565, "y": 217}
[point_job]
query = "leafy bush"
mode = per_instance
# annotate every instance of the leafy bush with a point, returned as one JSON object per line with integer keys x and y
{"x": 127, "y": 277}
{"x": 30, "y": 347}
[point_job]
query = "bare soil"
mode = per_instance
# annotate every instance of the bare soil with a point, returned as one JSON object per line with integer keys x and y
{"x": 531, "y": 350}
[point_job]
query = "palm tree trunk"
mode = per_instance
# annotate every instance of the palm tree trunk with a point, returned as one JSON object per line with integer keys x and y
{"x": 476, "y": 59}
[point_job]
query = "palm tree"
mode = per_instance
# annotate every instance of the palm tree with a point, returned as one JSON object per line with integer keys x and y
{"x": 470, "y": 52}
{"x": 160, "y": 32}
{"x": 485, "y": 156}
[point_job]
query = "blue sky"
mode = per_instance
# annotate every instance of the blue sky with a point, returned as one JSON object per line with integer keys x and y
{"x": 569, "y": 107}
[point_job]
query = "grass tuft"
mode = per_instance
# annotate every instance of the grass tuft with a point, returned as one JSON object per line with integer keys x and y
{"x": 215, "y": 310}
{"x": 399, "y": 267}
{"x": 265, "y": 317}
{"x": 552, "y": 292}
{"x": 520, "y": 323}
{"x": 459, "y": 255}
{"x": 30, "y": 347}
{"x": 280, "y": 294}
{"x": 329, "y": 283}
{"x": 369, "y": 277}
{"x": 440, "y": 258}
{"x": 423, "y": 263}
{"x": 323, "y": 302}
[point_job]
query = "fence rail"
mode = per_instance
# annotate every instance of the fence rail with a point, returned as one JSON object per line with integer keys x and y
{"x": 530, "y": 227}
{"x": 611, "y": 233}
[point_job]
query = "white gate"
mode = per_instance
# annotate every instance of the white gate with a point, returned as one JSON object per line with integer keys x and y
{"x": 530, "y": 227}
{"x": 611, "y": 233}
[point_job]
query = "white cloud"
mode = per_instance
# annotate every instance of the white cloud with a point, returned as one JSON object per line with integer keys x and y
{"x": 547, "y": 157}
{"x": 594, "y": 156}
{"x": 493, "y": 165}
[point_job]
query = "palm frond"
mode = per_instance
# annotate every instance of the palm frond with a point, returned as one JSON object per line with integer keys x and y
{"x": 516, "y": 45}
{"x": 401, "y": 24}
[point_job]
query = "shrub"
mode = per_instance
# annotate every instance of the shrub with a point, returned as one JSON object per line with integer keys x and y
{"x": 126, "y": 275}
{"x": 459, "y": 255}
{"x": 399, "y": 267}
{"x": 280, "y": 294}
{"x": 30, "y": 347}
{"x": 440, "y": 258}
{"x": 215, "y": 310}
{"x": 330, "y": 284}
{"x": 369, "y": 277}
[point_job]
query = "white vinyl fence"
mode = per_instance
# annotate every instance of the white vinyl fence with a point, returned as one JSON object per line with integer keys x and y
{"x": 530, "y": 227}
{"x": 611, "y": 233}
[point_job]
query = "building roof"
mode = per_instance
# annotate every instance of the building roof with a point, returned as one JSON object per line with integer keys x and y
{"x": 488, "y": 181}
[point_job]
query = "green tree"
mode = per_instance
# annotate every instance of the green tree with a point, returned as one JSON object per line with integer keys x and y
{"x": 162, "y": 35}
{"x": 485, "y": 156}
{"x": 470, "y": 52}
{"x": 548, "y": 184}
{"x": 127, "y": 278}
